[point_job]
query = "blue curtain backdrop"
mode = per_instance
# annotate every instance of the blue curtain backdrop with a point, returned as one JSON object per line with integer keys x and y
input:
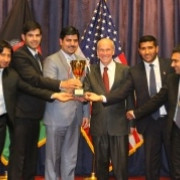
{"x": 132, "y": 18}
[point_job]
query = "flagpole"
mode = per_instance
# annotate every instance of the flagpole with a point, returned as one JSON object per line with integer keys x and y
{"x": 92, "y": 177}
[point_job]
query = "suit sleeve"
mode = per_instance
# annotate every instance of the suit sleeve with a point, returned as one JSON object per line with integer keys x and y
{"x": 38, "y": 92}
{"x": 28, "y": 73}
{"x": 154, "y": 103}
{"x": 126, "y": 90}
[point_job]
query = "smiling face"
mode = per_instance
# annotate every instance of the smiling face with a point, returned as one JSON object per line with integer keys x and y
{"x": 175, "y": 63}
{"x": 69, "y": 44}
{"x": 105, "y": 51}
{"x": 32, "y": 38}
{"x": 5, "y": 58}
{"x": 148, "y": 51}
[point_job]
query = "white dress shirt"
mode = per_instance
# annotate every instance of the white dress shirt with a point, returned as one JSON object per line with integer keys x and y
{"x": 2, "y": 102}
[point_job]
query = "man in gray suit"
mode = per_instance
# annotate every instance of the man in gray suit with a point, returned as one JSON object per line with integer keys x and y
{"x": 63, "y": 120}
{"x": 109, "y": 127}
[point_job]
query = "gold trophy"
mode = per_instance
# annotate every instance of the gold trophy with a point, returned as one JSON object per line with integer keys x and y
{"x": 78, "y": 67}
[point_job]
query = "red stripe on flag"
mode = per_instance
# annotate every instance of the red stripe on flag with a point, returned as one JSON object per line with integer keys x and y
{"x": 122, "y": 58}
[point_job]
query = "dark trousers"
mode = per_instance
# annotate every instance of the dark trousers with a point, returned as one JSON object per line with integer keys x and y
{"x": 175, "y": 152}
{"x": 4, "y": 121}
{"x": 155, "y": 137}
{"x": 114, "y": 148}
{"x": 23, "y": 154}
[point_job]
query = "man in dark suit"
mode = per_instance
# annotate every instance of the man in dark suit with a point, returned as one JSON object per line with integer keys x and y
{"x": 108, "y": 125}
{"x": 10, "y": 85}
{"x": 170, "y": 94}
{"x": 138, "y": 80}
{"x": 29, "y": 109}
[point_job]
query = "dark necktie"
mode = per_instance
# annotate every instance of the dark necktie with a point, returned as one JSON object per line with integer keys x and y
{"x": 152, "y": 88}
{"x": 106, "y": 79}
{"x": 38, "y": 60}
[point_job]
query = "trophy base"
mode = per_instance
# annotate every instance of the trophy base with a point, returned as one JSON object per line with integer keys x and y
{"x": 79, "y": 92}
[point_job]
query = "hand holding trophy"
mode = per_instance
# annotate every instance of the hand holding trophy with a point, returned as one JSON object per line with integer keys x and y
{"x": 78, "y": 67}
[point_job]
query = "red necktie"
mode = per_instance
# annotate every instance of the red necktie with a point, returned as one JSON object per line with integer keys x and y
{"x": 106, "y": 79}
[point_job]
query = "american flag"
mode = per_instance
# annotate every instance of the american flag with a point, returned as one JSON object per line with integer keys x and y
{"x": 100, "y": 26}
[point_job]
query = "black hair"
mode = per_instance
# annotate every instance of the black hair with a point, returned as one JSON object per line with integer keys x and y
{"x": 69, "y": 30}
{"x": 5, "y": 44}
{"x": 147, "y": 38}
{"x": 30, "y": 26}
{"x": 176, "y": 49}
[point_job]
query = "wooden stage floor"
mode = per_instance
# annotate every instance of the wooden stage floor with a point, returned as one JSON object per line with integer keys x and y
{"x": 82, "y": 178}
{"x": 131, "y": 178}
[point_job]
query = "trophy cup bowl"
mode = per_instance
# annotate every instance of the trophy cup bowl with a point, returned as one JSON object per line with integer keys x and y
{"x": 78, "y": 67}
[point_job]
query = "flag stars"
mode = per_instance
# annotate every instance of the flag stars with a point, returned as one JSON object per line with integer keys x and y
{"x": 100, "y": 26}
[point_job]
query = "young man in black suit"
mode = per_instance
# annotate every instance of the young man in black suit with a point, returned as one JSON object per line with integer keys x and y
{"x": 29, "y": 109}
{"x": 10, "y": 85}
{"x": 138, "y": 80}
{"x": 170, "y": 94}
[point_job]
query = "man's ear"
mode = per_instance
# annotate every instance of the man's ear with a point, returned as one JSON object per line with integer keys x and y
{"x": 23, "y": 37}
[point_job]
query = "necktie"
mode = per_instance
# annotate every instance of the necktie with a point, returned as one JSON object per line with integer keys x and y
{"x": 106, "y": 79}
{"x": 38, "y": 60}
{"x": 152, "y": 88}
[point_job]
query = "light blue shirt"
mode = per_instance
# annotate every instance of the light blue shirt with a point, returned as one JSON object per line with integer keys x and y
{"x": 158, "y": 79}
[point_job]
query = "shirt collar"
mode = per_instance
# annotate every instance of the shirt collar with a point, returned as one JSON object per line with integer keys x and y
{"x": 155, "y": 62}
{"x": 33, "y": 52}
{"x": 67, "y": 56}
{"x": 109, "y": 66}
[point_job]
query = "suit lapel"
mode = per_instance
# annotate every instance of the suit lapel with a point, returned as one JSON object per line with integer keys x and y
{"x": 163, "y": 71}
{"x": 97, "y": 74}
{"x": 175, "y": 85}
{"x": 143, "y": 78}
{"x": 65, "y": 64}
{"x": 116, "y": 76}
{"x": 31, "y": 58}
